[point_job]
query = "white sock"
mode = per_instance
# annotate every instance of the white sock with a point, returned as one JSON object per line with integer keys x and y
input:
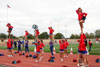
{"x": 62, "y": 59}
{"x": 36, "y": 60}
{"x": 78, "y": 65}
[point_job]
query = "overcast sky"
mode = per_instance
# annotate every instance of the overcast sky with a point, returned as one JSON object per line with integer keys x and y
{"x": 60, "y": 14}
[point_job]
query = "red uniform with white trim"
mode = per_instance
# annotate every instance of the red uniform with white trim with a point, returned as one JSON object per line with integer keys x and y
{"x": 66, "y": 44}
{"x": 26, "y": 33}
{"x": 61, "y": 45}
{"x": 90, "y": 43}
{"x": 50, "y": 30}
{"x": 9, "y": 27}
{"x": 42, "y": 45}
{"x": 37, "y": 47}
{"x": 97, "y": 39}
{"x": 82, "y": 46}
{"x": 80, "y": 15}
{"x": 9, "y": 44}
{"x": 37, "y": 32}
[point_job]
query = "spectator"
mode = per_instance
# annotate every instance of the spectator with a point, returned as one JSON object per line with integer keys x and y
{"x": 15, "y": 44}
{"x": 90, "y": 45}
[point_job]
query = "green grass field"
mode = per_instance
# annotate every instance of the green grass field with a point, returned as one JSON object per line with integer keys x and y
{"x": 95, "y": 48}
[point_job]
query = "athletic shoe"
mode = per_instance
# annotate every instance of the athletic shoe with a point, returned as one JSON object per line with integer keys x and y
{"x": 10, "y": 55}
{"x": 82, "y": 64}
{"x": 66, "y": 55}
{"x": 86, "y": 65}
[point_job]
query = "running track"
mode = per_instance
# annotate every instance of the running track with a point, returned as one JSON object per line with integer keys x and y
{"x": 30, "y": 62}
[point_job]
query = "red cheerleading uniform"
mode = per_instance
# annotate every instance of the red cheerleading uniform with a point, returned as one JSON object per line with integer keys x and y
{"x": 9, "y": 26}
{"x": 37, "y": 32}
{"x": 90, "y": 43}
{"x": 80, "y": 15}
{"x": 97, "y": 39}
{"x": 78, "y": 40}
{"x": 42, "y": 45}
{"x": 37, "y": 47}
{"x": 26, "y": 33}
{"x": 50, "y": 30}
{"x": 9, "y": 44}
{"x": 82, "y": 46}
{"x": 66, "y": 44}
{"x": 61, "y": 45}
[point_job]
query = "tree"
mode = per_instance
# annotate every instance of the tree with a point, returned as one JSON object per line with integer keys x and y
{"x": 91, "y": 35}
{"x": 30, "y": 36}
{"x": 44, "y": 35}
{"x": 72, "y": 36}
{"x": 12, "y": 36}
{"x": 2, "y": 35}
{"x": 59, "y": 36}
{"x": 76, "y": 36}
{"x": 87, "y": 35}
{"x": 97, "y": 33}
{"x": 22, "y": 37}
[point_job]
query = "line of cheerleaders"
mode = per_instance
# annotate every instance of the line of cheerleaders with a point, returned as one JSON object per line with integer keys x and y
{"x": 82, "y": 52}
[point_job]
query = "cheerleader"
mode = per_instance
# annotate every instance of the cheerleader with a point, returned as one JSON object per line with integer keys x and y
{"x": 81, "y": 18}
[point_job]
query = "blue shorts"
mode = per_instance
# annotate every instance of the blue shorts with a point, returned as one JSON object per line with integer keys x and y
{"x": 82, "y": 52}
{"x": 38, "y": 52}
{"x": 51, "y": 34}
{"x": 61, "y": 50}
{"x": 10, "y": 48}
{"x": 41, "y": 48}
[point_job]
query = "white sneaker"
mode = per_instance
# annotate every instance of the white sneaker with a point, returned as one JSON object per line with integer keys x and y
{"x": 10, "y": 55}
{"x": 86, "y": 65}
{"x": 66, "y": 55}
{"x": 62, "y": 60}
{"x": 36, "y": 60}
{"x": 82, "y": 64}
{"x": 78, "y": 65}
